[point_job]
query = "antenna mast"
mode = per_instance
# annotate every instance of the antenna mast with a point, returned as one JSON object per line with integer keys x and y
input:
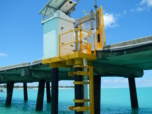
{"x": 96, "y": 5}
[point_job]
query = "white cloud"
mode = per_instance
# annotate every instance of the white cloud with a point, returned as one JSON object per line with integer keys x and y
{"x": 148, "y": 2}
{"x": 124, "y": 12}
{"x": 3, "y": 54}
{"x": 140, "y": 9}
{"x": 143, "y": 6}
{"x": 110, "y": 20}
{"x": 132, "y": 10}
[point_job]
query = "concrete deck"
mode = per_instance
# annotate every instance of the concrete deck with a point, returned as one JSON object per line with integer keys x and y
{"x": 126, "y": 59}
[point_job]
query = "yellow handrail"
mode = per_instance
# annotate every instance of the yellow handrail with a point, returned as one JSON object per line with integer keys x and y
{"x": 88, "y": 31}
{"x": 77, "y": 41}
{"x": 88, "y": 43}
{"x": 67, "y": 43}
{"x": 60, "y": 39}
{"x": 66, "y": 32}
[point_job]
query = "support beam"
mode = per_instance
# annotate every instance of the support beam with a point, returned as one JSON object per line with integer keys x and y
{"x": 116, "y": 70}
{"x": 133, "y": 94}
{"x": 40, "y": 96}
{"x": 54, "y": 104}
{"x": 10, "y": 86}
{"x": 79, "y": 92}
{"x": 48, "y": 95}
{"x": 97, "y": 90}
{"x": 25, "y": 91}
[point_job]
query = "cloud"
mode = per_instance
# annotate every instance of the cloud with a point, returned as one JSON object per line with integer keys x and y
{"x": 143, "y": 5}
{"x": 110, "y": 20}
{"x": 147, "y": 2}
{"x": 3, "y": 54}
{"x": 140, "y": 9}
{"x": 124, "y": 12}
{"x": 132, "y": 10}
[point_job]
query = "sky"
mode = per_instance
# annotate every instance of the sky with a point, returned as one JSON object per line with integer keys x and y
{"x": 21, "y": 31}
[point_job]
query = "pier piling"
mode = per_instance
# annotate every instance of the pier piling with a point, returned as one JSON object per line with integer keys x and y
{"x": 40, "y": 96}
{"x": 79, "y": 92}
{"x": 133, "y": 94}
{"x": 54, "y": 103}
{"x": 25, "y": 91}
{"x": 10, "y": 86}
{"x": 97, "y": 91}
{"x": 48, "y": 92}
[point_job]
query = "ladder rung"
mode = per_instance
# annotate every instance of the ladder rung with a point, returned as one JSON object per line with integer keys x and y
{"x": 80, "y": 73}
{"x": 81, "y": 101}
{"x": 78, "y": 66}
{"x": 86, "y": 67}
{"x": 70, "y": 74}
{"x": 79, "y": 109}
{"x": 80, "y": 83}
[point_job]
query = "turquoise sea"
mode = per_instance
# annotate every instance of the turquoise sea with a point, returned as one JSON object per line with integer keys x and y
{"x": 113, "y": 101}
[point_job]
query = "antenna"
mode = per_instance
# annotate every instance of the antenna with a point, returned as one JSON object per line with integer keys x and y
{"x": 95, "y": 5}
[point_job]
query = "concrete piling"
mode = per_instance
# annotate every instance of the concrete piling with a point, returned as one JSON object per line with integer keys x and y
{"x": 48, "y": 95}
{"x": 10, "y": 86}
{"x": 97, "y": 91}
{"x": 133, "y": 94}
{"x": 25, "y": 91}
{"x": 54, "y": 102}
{"x": 40, "y": 96}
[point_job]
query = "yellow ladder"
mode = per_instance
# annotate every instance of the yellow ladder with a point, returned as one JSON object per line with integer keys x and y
{"x": 91, "y": 90}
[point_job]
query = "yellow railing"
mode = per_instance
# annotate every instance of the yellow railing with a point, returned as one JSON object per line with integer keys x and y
{"x": 93, "y": 39}
{"x": 77, "y": 40}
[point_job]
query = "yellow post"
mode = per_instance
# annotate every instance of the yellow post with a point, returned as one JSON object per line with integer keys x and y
{"x": 94, "y": 45}
{"x": 77, "y": 40}
{"x": 80, "y": 34}
{"x": 100, "y": 32}
{"x": 91, "y": 91}
{"x": 59, "y": 45}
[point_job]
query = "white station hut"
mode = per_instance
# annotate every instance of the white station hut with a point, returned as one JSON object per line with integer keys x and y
{"x": 56, "y": 20}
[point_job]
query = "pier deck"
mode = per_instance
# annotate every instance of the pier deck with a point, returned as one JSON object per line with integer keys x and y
{"x": 126, "y": 59}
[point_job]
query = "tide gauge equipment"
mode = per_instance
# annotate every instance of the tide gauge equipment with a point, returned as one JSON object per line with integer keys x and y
{"x": 72, "y": 43}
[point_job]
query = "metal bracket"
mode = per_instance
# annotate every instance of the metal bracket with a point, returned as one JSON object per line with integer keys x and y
{"x": 79, "y": 109}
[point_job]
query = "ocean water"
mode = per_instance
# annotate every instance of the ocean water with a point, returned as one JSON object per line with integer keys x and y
{"x": 113, "y": 101}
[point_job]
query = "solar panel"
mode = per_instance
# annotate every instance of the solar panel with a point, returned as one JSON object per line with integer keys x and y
{"x": 53, "y": 5}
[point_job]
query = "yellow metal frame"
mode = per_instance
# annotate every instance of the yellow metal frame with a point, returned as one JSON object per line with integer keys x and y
{"x": 79, "y": 109}
{"x": 77, "y": 54}
{"x": 101, "y": 26}
{"x": 91, "y": 91}
{"x": 81, "y": 101}
{"x": 77, "y": 41}
{"x": 81, "y": 83}
{"x": 68, "y": 57}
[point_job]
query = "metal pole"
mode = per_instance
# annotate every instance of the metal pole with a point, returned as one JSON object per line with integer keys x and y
{"x": 54, "y": 102}
{"x": 10, "y": 86}
{"x": 40, "y": 96}
{"x": 25, "y": 92}
{"x": 48, "y": 95}
{"x": 78, "y": 90}
{"x": 133, "y": 93}
{"x": 97, "y": 94}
